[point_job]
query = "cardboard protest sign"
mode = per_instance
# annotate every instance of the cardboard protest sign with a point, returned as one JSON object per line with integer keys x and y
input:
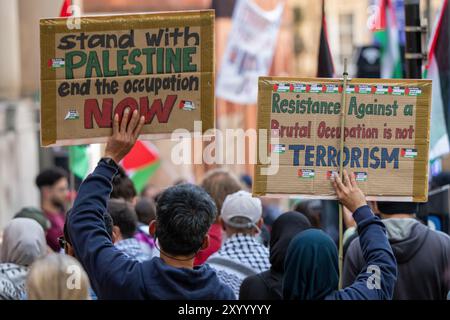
{"x": 387, "y": 128}
{"x": 249, "y": 51}
{"x": 161, "y": 64}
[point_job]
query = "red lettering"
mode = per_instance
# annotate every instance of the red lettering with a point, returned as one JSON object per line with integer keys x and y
{"x": 103, "y": 118}
{"x": 161, "y": 111}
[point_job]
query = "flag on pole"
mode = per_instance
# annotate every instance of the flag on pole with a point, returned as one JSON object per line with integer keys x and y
{"x": 438, "y": 69}
{"x": 141, "y": 163}
{"x": 386, "y": 35}
{"x": 325, "y": 67}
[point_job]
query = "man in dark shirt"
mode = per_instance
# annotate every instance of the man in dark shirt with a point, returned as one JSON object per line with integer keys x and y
{"x": 184, "y": 215}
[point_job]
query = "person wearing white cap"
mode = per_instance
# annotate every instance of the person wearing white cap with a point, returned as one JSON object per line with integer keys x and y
{"x": 241, "y": 254}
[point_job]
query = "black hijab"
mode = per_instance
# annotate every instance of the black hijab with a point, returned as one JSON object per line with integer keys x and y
{"x": 284, "y": 229}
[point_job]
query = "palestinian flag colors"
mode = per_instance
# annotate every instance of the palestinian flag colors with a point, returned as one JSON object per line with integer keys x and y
{"x": 387, "y": 37}
{"x": 409, "y": 153}
{"x": 278, "y": 148}
{"x": 438, "y": 69}
{"x": 141, "y": 163}
{"x": 325, "y": 67}
{"x": 306, "y": 173}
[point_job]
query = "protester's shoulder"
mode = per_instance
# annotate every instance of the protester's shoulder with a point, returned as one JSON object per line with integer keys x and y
{"x": 439, "y": 237}
{"x": 354, "y": 247}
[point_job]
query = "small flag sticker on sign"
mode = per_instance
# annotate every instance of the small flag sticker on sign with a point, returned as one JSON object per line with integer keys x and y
{"x": 56, "y": 63}
{"x": 361, "y": 176}
{"x": 381, "y": 90}
{"x": 398, "y": 91}
{"x": 187, "y": 105}
{"x": 364, "y": 89}
{"x": 315, "y": 88}
{"x": 409, "y": 153}
{"x": 278, "y": 148}
{"x": 412, "y": 91}
{"x": 330, "y": 173}
{"x": 350, "y": 89}
{"x": 331, "y": 88}
{"x": 72, "y": 115}
{"x": 281, "y": 87}
{"x": 298, "y": 88}
{"x": 306, "y": 173}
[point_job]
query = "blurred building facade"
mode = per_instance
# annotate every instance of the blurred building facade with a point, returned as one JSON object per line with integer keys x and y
{"x": 296, "y": 55}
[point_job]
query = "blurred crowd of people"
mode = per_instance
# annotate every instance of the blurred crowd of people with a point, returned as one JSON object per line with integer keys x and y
{"x": 212, "y": 241}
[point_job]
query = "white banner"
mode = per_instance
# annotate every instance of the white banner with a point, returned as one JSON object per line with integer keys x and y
{"x": 249, "y": 51}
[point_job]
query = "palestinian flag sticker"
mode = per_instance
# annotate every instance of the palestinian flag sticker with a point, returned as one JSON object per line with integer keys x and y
{"x": 412, "y": 91}
{"x": 278, "y": 148}
{"x": 72, "y": 115}
{"x": 398, "y": 91}
{"x": 409, "y": 153}
{"x": 186, "y": 105}
{"x": 306, "y": 173}
{"x": 364, "y": 89}
{"x": 331, "y": 88}
{"x": 315, "y": 88}
{"x": 298, "y": 87}
{"x": 381, "y": 90}
{"x": 281, "y": 87}
{"x": 56, "y": 63}
{"x": 361, "y": 176}
{"x": 350, "y": 89}
{"x": 330, "y": 173}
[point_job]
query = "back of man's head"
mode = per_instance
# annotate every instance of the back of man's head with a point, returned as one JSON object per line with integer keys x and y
{"x": 50, "y": 176}
{"x": 392, "y": 208}
{"x": 184, "y": 214}
{"x": 220, "y": 183}
{"x": 123, "y": 187}
{"x": 145, "y": 210}
{"x": 123, "y": 216}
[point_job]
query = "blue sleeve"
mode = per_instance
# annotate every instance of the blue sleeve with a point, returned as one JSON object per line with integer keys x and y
{"x": 112, "y": 274}
{"x": 377, "y": 279}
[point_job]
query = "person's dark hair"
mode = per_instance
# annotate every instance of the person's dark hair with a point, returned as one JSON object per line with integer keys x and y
{"x": 145, "y": 210}
{"x": 220, "y": 183}
{"x": 50, "y": 176}
{"x": 184, "y": 214}
{"x": 397, "y": 207}
{"x": 123, "y": 187}
{"x": 123, "y": 216}
{"x": 311, "y": 209}
{"x": 106, "y": 219}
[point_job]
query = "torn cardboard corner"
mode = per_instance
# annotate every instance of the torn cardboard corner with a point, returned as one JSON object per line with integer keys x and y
{"x": 387, "y": 132}
{"x": 161, "y": 64}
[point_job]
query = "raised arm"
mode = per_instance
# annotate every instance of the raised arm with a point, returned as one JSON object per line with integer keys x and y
{"x": 107, "y": 267}
{"x": 377, "y": 279}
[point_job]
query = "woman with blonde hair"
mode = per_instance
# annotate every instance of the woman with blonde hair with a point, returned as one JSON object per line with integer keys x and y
{"x": 57, "y": 277}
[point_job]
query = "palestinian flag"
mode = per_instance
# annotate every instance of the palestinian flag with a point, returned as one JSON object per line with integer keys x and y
{"x": 141, "y": 163}
{"x": 386, "y": 36}
{"x": 325, "y": 67}
{"x": 438, "y": 69}
{"x": 79, "y": 161}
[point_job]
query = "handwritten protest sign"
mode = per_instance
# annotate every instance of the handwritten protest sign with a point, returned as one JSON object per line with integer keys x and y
{"x": 249, "y": 51}
{"x": 161, "y": 64}
{"x": 386, "y": 136}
